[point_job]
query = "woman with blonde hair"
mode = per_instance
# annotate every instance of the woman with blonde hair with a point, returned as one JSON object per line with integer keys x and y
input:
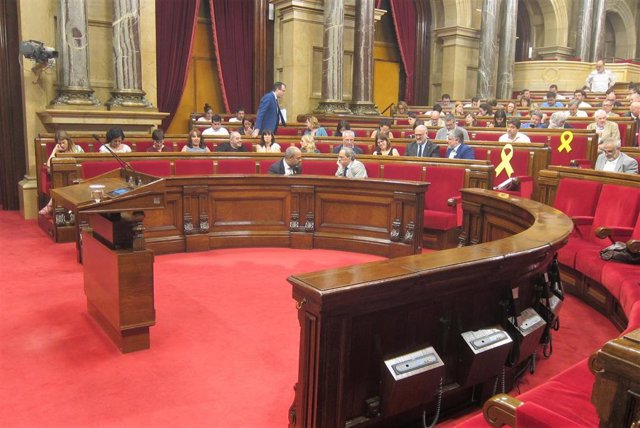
{"x": 314, "y": 128}
{"x": 458, "y": 110}
{"x": 308, "y": 144}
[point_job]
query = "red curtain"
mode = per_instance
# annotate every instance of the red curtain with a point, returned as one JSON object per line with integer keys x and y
{"x": 404, "y": 21}
{"x": 175, "y": 29}
{"x": 233, "y": 32}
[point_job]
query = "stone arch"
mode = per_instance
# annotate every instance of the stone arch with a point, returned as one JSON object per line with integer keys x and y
{"x": 623, "y": 23}
{"x": 549, "y": 21}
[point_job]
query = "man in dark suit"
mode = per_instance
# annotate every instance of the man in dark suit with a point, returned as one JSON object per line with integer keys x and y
{"x": 291, "y": 164}
{"x": 457, "y": 148}
{"x": 348, "y": 142}
{"x": 269, "y": 115}
{"x": 422, "y": 147}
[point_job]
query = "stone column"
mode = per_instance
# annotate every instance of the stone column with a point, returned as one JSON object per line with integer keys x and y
{"x": 362, "y": 102}
{"x": 73, "y": 57}
{"x": 583, "y": 39}
{"x": 599, "y": 19}
{"x": 126, "y": 54}
{"x": 332, "y": 59}
{"x": 507, "y": 54}
{"x": 488, "y": 49}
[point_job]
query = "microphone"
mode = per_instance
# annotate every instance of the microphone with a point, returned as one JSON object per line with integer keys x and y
{"x": 126, "y": 166}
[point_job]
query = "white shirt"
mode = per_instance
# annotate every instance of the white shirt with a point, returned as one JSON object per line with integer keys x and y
{"x": 600, "y": 82}
{"x": 519, "y": 138}
{"x": 287, "y": 169}
{"x": 234, "y": 120}
{"x": 610, "y": 165}
{"x": 211, "y": 131}
{"x": 452, "y": 155}
{"x": 579, "y": 113}
{"x": 584, "y": 105}
{"x": 122, "y": 148}
{"x": 273, "y": 148}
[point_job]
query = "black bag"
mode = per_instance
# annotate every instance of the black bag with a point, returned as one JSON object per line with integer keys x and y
{"x": 619, "y": 253}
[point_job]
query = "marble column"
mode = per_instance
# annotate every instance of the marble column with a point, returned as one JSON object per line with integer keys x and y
{"x": 583, "y": 39}
{"x": 126, "y": 54}
{"x": 362, "y": 102}
{"x": 599, "y": 21}
{"x": 507, "y": 54}
{"x": 74, "y": 89}
{"x": 488, "y": 49}
{"x": 332, "y": 59}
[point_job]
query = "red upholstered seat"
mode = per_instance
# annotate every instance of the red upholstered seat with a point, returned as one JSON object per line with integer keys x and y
{"x": 92, "y": 169}
{"x": 141, "y": 146}
{"x": 324, "y": 147}
{"x": 264, "y": 165}
{"x": 520, "y": 164}
{"x": 362, "y": 133}
{"x": 193, "y": 166}
{"x": 578, "y": 199}
{"x": 401, "y": 148}
{"x": 318, "y": 167}
{"x": 564, "y": 158}
{"x": 236, "y": 166}
{"x": 87, "y": 146}
{"x": 402, "y": 171}
{"x": 373, "y": 169}
{"x": 159, "y": 168}
{"x": 445, "y": 183}
{"x": 366, "y": 148}
{"x": 282, "y": 130}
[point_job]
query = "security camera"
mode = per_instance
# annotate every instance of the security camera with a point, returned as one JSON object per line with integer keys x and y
{"x": 38, "y": 52}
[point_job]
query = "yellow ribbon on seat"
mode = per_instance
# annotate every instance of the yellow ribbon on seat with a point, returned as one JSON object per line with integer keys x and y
{"x": 506, "y": 160}
{"x": 565, "y": 141}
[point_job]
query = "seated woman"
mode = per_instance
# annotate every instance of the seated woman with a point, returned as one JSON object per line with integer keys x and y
{"x": 115, "y": 136}
{"x": 308, "y": 144}
{"x": 385, "y": 128}
{"x": 246, "y": 128}
{"x": 64, "y": 144}
{"x": 268, "y": 143}
{"x": 314, "y": 128}
{"x": 458, "y": 109}
{"x": 402, "y": 109}
{"x": 512, "y": 110}
{"x": 470, "y": 120}
{"x": 208, "y": 114}
{"x": 343, "y": 125}
{"x": 499, "y": 120}
{"x": 384, "y": 148}
{"x": 195, "y": 143}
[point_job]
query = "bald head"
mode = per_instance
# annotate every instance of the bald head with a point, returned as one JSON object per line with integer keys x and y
{"x": 635, "y": 108}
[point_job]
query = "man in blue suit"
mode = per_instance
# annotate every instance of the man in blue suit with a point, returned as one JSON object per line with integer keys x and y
{"x": 457, "y": 148}
{"x": 269, "y": 115}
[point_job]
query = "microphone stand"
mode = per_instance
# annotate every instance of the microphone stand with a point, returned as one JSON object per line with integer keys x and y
{"x": 126, "y": 166}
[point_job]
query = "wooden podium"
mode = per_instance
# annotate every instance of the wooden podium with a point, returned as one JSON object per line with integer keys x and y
{"x": 118, "y": 269}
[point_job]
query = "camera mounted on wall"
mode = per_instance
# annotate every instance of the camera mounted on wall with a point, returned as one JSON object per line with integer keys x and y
{"x": 43, "y": 56}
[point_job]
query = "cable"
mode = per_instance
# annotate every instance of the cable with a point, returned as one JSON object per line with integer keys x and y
{"x": 438, "y": 406}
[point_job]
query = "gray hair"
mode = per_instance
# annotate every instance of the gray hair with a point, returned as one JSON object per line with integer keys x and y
{"x": 449, "y": 117}
{"x": 348, "y": 131}
{"x": 575, "y": 103}
{"x": 348, "y": 152}
{"x": 457, "y": 134}
{"x": 291, "y": 152}
{"x": 537, "y": 113}
{"x": 557, "y": 119}
{"x": 599, "y": 112}
{"x": 612, "y": 140}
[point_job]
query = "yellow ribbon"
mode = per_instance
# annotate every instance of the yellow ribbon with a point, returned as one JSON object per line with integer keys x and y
{"x": 565, "y": 141}
{"x": 506, "y": 161}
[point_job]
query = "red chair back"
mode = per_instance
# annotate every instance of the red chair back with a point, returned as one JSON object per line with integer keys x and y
{"x": 159, "y": 168}
{"x": 318, "y": 167}
{"x": 236, "y": 166}
{"x": 92, "y": 169}
{"x": 193, "y": 166}
{"x": 402, "y": 171}
{"x": 373, "y": 169}
{"x": 617, "y": 206}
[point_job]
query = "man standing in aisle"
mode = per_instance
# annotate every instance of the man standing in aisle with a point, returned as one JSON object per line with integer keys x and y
{"x": 599, "y": 80}
{"x": 269, "y": 114}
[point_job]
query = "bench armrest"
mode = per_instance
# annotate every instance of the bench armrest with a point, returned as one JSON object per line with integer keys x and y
{"x": 581, "y": 163}
{"x": 614, "y": 233}
{"x": 500, "y": 410}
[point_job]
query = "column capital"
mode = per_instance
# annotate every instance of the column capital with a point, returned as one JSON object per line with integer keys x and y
{"x": 455, "y": 32}
{"x": 555, "y": 52}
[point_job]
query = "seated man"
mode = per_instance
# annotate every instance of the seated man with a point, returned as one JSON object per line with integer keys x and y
{"x": 239, "y": 117}
{"x": 579, "y": 95}
{"x": 233, "y": 145}
{"x": 607, "y": 106}
{"x": 158, "y": 142}
{"x": 291, "y": 164}
{"x": 450, "y": 125}
{"x": 613, "y": 160}
{"x": 348, "y": 139}
{"x": 604, "y": 129}
{"x": 573, "y": 109}
{"x": 537, "y": 120}
{"x": 348, "y": 166}
{"x": 457, "y": 148}
{"x": 512, "y": 135}
{"x": 551, "y": 101}
{"x": 216, "y": 127}
{"x": 422, "y": 146}
{"x": 435, "y": 119}
{"x": 554, "y": 88}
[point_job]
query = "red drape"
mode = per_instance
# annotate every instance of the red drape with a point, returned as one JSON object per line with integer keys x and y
{"x": 404, "y": 21}
{"x": 233, "y": 31}
{"x": 175, "y": 28}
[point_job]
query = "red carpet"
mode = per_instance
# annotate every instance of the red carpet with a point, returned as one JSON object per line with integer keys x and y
{"x": 224, "y": 351}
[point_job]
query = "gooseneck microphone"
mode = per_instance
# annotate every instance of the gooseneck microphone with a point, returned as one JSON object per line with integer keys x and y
{"x": 126, "y": 166}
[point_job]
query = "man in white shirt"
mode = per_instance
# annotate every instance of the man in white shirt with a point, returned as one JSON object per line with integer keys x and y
{"x": 512, "y": 135}
{"x": 216, "y": 127}
{"x": 613, "y": 160}
{"x": 600, "y": 79}
{"x": 573, "y": 110}
{"x": 239, "y": 117}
